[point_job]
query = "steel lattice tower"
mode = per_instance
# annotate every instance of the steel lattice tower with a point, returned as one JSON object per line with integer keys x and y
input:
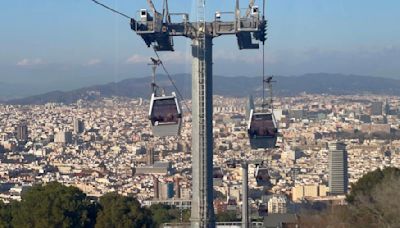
{"x": 157, "y": 30}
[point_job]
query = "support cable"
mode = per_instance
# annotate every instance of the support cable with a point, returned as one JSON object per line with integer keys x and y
{"x": 263, "y": 77}
{"x": 162, "y": 64}
{"x": 263, "y": 64}
{"x": 172, "y": 82}
{"x": 111, "y": 9}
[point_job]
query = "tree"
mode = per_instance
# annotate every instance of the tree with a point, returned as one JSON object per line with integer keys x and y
{"x": 5, "y": 215}
{"x": 366, "y": 184}
{"x": 167, "y": 214}
{"x": 118, "y": 211}
{"x": 380, "y": 206}
{"x": 337, "y": 216}
{"x": 373, "y": 202}
{"x": 161, "y": 214}
{"x": 227, "y": 216}
{"x": 53, "y": 205}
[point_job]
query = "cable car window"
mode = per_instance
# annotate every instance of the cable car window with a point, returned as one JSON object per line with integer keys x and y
{"x": 164, "y": 112}
{"x": 262, "y": 177}
{"x": 262, "y": 126}
{"x": 263, "y": 117}
{"x": 262, "y": 174}
{"x": 217, "y": 172}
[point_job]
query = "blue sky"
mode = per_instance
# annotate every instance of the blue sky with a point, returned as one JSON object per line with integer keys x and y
{"x": 75, "y": 42}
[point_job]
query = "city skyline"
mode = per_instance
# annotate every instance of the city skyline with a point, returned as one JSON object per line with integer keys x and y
{"x": 117, "y": 151}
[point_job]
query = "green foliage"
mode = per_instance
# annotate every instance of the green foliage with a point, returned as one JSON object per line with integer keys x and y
{"x": 185, "y": 216}
{"x": 366, "y": 184}
{"x": 117, "y": 211}
{"x": 53, "y": 205}
{"x": 161, "y": 214}
{"x": 380, "y": 206}
{"x": 167, "y": 214}
{"x": 5, "y": 215}
{"x": 373, "y": 202}
{"x": 227, "y": 216}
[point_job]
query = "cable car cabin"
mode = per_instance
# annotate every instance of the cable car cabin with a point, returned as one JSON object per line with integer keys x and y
{"x": 262, "y": 130}
{"x": 262, "y": 177}
{"x": 165, "y": 115}
{"x": 218, "y": 175}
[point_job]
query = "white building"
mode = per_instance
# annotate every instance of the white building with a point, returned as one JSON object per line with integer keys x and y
{"x": 277, "y": 204}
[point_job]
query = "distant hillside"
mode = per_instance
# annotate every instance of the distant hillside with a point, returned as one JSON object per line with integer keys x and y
{"x": 229, "y": 86}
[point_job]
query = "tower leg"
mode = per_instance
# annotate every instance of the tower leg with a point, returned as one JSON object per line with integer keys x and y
{"x": 245, "y": 197}
{"x": 202, "y": 214}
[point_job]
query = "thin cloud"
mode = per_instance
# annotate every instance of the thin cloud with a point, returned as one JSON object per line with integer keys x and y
{"x": 176, "y": 57}
{"x": 135, "y": 59}
{"x": 237, "y": 57}
{"x": 30, "y": 62}
{"x": 93, "y": 62}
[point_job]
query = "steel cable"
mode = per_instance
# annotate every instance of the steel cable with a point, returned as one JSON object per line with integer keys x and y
{"x": 172, "y": 81}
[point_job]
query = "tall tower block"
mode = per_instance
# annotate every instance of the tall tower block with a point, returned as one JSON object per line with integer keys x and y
{"x": 338, "y": 173}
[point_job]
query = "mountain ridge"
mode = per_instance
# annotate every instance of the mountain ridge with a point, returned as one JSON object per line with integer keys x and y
{"x": 238, "y": 86}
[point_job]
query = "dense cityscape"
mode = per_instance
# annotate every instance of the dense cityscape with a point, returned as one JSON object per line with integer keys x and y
{"x": 88, "y": 139}
{"x": 108, "y": 146}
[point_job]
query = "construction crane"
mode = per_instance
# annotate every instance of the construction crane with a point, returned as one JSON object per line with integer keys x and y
{"x": 157, "y": 30}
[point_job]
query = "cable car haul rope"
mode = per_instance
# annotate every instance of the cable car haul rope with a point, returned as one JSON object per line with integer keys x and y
{"x": 111, "y": 9}
{"x": 172, "y": 82}
{"x": 165, "y": 113}
{"x": 262, "y": 126}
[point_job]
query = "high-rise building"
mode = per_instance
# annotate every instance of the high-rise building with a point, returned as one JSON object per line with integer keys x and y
{"x": 166, "y": 190}
{"x": 338, "y": 175}
{"x": 387, "y": 107}
{"x": 162, "y": 190}
{"x": 177, "y": 189}
{"x": 22, "y": 132}
{"x": 79, "y": 126}
{"x": 150, "y": 156}
{"x": 63, "y": 137}
{"x": 156, "y": 183}
{"x": 376, "y": 108}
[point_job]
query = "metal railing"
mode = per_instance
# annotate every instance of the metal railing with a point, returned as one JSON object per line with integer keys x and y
{"x": 218, "y": 224}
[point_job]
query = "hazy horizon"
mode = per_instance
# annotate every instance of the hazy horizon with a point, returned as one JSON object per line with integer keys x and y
{"x": 17, "y": 91}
